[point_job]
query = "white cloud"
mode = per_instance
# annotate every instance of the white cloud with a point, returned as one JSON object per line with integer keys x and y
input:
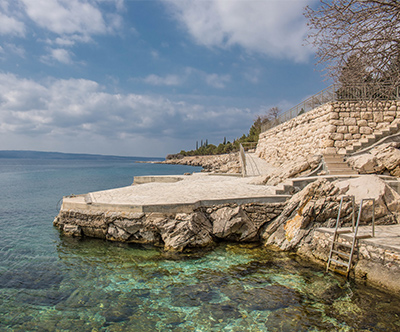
{"x": 72, "y": 20}
{"x": 11, "y": 26}
{"x": 275, "y": 28}
{"x": 217, "y": 81}
{"x": 11, "y": 20}
{"x": 169, "y": 80}
{"x": 66, "y": 17}
{"x": 60, "y": 55}
{"x": 63, "y": 110}
{"x": 15, "y": 49}
{"x": 214, "y": 80}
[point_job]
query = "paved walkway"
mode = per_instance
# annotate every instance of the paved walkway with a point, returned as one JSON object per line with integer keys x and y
{"x": 256, "y": 166}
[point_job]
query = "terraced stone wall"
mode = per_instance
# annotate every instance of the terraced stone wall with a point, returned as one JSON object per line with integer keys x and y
{"x": 331, "y": 127}
{"x": 352, "y": 121}
{"x": 306, "y": 134}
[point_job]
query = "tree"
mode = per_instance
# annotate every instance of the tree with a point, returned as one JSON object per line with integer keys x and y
{"x": 367, "y": 30}
{"x": 256, "y": 128}
{"x": 354, "y": 71}
{"x": 273, "y": 113}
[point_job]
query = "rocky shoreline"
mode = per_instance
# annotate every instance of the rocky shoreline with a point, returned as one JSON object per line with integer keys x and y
{"x": 289, "y": 225}
{"x": 224, "y": 163}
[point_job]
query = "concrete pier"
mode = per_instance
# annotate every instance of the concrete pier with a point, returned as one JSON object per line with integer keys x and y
{"x": 175, "y": 194}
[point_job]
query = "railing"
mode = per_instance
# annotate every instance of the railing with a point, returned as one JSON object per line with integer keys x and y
{"x": 249, "y": 145}
{"x": 242, "y": 158}
{"x": 338, "y": 92}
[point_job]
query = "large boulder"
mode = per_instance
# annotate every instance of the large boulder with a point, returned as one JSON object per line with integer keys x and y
{"x": 291, "y": 169}
{"x": 315, "y": 204}
{"x": 384, "y": 158}
{"x": 365, "y": 164}
{"x": 318, "y": 203}
{"x": 184, "y": 230}
{"x": 233, "y": 224}
{"x": 387, "y": 201}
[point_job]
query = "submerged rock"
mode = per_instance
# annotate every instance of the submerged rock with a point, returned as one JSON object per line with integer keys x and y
{"x": 31, "y": 277}
{"x": 192, "y": 295}
{"x": 297, "y": 319}
{"x": 266, "y": 298}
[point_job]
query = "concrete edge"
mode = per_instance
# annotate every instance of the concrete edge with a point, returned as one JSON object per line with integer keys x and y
{"x": 82, "y": 203}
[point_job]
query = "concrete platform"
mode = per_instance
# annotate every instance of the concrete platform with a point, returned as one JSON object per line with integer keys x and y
{"x": 175, "y": 194}
{"x": 386, "y": 236}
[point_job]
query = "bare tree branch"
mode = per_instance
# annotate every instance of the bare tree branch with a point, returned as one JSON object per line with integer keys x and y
{"x": 363, "y": 31}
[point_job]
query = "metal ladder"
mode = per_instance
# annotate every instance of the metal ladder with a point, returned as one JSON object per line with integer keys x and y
{"x": 344, "y": 258}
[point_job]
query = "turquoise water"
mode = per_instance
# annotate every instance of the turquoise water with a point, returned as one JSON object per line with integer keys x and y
{"x": 53, "y": 283}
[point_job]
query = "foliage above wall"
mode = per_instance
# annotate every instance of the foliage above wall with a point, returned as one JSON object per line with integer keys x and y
{"x": 228, "y": 147}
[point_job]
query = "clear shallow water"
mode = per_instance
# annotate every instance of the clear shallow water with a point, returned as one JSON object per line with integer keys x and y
{"x": 53, "y": 283}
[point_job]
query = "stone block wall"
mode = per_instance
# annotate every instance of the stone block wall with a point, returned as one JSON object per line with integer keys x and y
{"x": 301, "y": 136}
{"x": 351, "y": 121}
{"x": 330, "y": 127}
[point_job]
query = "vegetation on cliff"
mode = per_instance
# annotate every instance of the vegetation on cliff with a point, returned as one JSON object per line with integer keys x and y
{"x": 248, "y": 141}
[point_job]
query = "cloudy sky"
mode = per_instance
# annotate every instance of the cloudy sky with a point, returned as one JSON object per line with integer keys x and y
{"x": 150, "y": 77}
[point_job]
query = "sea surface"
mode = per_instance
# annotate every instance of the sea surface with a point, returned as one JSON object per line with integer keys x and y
{"x": 49, "y": 282}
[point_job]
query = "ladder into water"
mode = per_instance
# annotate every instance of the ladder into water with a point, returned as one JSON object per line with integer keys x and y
{"x": 341, "y": 253}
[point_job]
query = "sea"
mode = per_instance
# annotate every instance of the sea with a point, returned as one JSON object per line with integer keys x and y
{"x": 49, "y": 282}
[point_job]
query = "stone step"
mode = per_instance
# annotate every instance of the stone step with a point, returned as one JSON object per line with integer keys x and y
{"x": 339, "y": 167}
{"x": 284, "y": 189}
{"x": 334, "y": 161}
{"x": 335, "y": 165}
{"x": 343, "y": 172}
{"x": 394, "y": 184}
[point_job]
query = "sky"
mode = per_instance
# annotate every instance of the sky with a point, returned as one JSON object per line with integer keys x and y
{"x": 150, "y": 77}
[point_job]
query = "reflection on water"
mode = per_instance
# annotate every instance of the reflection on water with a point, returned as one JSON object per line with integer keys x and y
{"x": 95, "y": 285}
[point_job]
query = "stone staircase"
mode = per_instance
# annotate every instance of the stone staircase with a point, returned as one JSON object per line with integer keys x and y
{"x": 373, "y": 138}
{"x": 335, "y": 165}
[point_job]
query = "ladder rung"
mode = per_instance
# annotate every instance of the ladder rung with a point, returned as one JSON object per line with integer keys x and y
{"x": 339, "y": 262}
{"x": 341, "y": 253}
{"x": 343, "y": 272}
{"x": 366, "y": 236}
{"x": 343, "y": 231}
{"x": 343, "y": 244}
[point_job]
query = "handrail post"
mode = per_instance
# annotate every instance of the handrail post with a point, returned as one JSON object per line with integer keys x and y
{"x": 242, "y": 159}
{"x": 353, "y": 213}
{"x": 373, "y": 217}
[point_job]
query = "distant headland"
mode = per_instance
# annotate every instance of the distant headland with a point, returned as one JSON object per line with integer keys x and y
{"x": 28, "y": 154}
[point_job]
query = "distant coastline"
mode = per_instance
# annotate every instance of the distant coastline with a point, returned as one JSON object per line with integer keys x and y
{"x": 28, "y": 154}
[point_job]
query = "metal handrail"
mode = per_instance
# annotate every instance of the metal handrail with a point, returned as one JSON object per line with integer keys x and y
{"x": 338, "y": 92}
{"x": 249, "y": 145}
{"x": 242, "y": 158}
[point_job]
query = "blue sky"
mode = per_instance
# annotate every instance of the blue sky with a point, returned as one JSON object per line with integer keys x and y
{"x": 147, "y": 78}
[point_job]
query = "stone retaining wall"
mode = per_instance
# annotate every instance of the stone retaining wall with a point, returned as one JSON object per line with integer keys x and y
{"x": 351, "y": 121}
{"x": 301, "y": 136}
{"x": 335, "y": 125}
